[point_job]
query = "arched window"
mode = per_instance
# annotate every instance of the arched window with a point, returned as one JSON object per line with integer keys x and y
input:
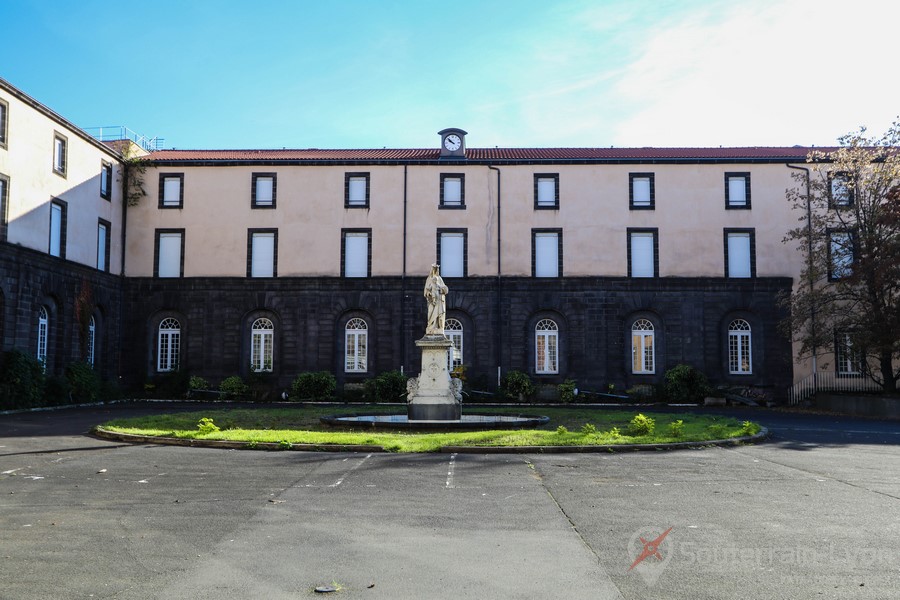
{"x": 43, "y": 336}
{"x": 546, "y": 347}
{"x": 739, "y": 348}
{"x": 169, "y": 346}
{"x": 356, "y": 343}
{"x": 643, "y": 349}
{"x": 92, "y": 331}
{"x": 453, "y": 329}
{"x": 262, "y": 344}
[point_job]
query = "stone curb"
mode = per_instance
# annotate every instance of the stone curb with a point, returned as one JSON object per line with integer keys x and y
{"x": 232, "y": 445}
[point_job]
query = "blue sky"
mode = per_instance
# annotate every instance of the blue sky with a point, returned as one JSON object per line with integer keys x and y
{"x": 372, "y": 74}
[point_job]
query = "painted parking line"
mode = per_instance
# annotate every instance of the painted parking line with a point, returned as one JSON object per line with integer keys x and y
{"x": 452, "y": 466}
{"x": 353, "y": 468}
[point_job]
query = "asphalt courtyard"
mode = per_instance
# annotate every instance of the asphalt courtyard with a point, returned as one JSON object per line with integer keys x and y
{"x": 812, "y": 513}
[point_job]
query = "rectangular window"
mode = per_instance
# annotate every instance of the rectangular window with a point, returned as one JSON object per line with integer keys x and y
{"x": 169, "y": 253}
{"x": 737, "y": 190}
{"x": 58, "y": 228}
{"x": 356, "y": 253}
{"x": 262, "y": 253}
{"x": 546, "y": 253}
{"x": 643, "y": 252}
{"x": 641, "y": 191}
{"x": 171, "y": 190}
{"x": 4, "y": 119}
{"x": 840, "y": 190}
{"x": 262, "y": 192}
{"x": 106, "y": 180}
{"x": 453, "y": 190}
{"x": 60, "y": 154}
{"x": 4, "y": 206}
{"x": 847, "y": 358}
{"x": 840, "y": 255}
{"x": 103, "y": 245}
{"x": 546, "y": 190}
{"x": 451, "y": 252}
{"x": 356, "y": 190}
{"x": 740, "y": 253}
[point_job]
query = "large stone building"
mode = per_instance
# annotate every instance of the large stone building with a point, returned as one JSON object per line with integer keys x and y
{"x": 604, "y": 265}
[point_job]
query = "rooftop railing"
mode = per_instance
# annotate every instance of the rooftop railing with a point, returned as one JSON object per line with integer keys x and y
{"x": 112, "y": 133}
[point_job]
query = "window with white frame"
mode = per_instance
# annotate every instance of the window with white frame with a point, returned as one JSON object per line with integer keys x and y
{"x": 58, "y": 229}
{"x": 737, "y": 190}
{"x": 356, "y": 338}
{"x": 355, "y": 250}
{"x": 105, "y": 180}
{"x": 262, "y": 190}
{"x": 171, "y": 190}
{"x": 263, "y": 253}
{"x": 546, "y": 190}
{"x": 643, "y": 349}
{"x": 169, "y": 254}
{"x": 642, "y": 253}
{"x": 739, "y": 348}
{"x": 43, "y": 335}
{"x": 102, "y": 245}
{"x": 546, "y": 253}
{"x": 262, "y": 345}
{"x": 546, "y": 347}
{"x": 847, "y": 357}
{"x": 91, "y": 337}
{"x": 641, "y": 190}
{"x": 356, "y": 190}
{"x": 60, "y": 154}
{"x": 840, "y": 254}
{"x": 168, "y": 345}
{"x": 739, "y": 249}
{"x": 453, "y": 329}
{"x": 840, "y": 189}
{"x": 452, "y": 190}
{"x": 452, "y": 253}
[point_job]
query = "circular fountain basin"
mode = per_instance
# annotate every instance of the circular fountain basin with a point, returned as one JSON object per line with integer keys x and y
{"x": 466, "y": 422}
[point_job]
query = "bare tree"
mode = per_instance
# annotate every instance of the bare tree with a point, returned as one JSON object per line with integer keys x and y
{"x": 848, "y": 296}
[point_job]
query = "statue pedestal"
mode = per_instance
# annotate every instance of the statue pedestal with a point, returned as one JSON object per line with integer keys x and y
{"x": 434, "y": 395}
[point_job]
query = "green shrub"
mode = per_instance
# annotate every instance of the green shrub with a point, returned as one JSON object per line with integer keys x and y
{"x": 561, "y": 430}
{"x": 589, "y": 429}
{"x": 567, "y": 391}
{"x": 390, "y": 386}
{"x": 206, "y": 425}
{"x": 749, "y": 428}
{"x": 641, "y": 425}
{"x": 21, "y": 381}
{"x": 685, "y": 385}
{"x": 83, "y": 382}
{"x": 318, "y": 385}
{"x": 676, "y": 428}
{"x": 516, "y": 385}
{"x": 615, "y": 433}
{"x": 197, "y": 383}
{"x": 234, "y": 387}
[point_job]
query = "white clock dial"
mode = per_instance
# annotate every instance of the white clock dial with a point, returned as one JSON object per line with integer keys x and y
{"x": 452, "y": 142}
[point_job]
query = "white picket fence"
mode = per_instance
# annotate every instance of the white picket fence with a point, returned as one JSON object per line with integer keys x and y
{"x": 829, "y": 381}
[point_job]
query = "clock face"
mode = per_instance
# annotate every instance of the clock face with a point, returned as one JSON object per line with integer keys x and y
{"x": 452, "y": 142}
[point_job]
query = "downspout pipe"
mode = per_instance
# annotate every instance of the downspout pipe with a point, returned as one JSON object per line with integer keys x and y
{"x": 403, "y": 280}
{"x": 809, "y": 253}
{"x": 126, "y": 176}
{"x": 499, "y": 336}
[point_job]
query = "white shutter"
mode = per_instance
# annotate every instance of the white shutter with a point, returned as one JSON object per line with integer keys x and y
{"x": 357, "y": 191}
{"x": 739, "y": 255}
{"x": 642, "y": 255}
{"x": 264, "y": 191}
{"x": 452, "y": 252}
{"x": 546, "y": 191}
{"x": 452, "y": 191}
{"x": 170, "y": 255}
{"x": 262, "y": 263}
{"x": 172, "y": 191}
{"x": 640, "y": 191}
{"x": 737, "y": 191}
{"x": 546, "y": 254}
{"x": 101, "y": 247}
{"x": 55, "y": 229}
{"x": 356, "y": 254}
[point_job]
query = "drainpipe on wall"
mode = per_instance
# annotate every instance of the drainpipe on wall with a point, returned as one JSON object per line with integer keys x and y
{"x": 499, "y": 272}
{"x": 809, "y": 251}
{"x": 125, "y": 175}
{"x": 403, "y": 327}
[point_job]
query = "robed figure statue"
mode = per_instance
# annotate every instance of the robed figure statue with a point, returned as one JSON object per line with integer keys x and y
{"x": 435, "y": 294}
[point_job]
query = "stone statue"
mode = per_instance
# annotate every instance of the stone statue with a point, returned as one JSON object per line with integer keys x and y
{"x": 435, "y": 294}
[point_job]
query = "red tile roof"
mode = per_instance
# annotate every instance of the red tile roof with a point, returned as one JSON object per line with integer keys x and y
{"x": 793, "y": 153}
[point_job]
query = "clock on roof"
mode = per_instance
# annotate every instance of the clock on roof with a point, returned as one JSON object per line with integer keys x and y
{"x": 453, "y": 143}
